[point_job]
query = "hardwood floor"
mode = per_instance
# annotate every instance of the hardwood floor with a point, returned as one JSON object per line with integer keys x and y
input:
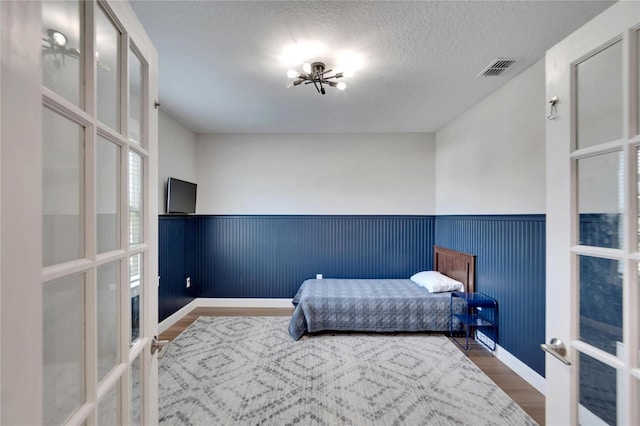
{"x": 513, "y": 385}
{"x": 517, "y": 388}
{"x": 187, "y": 320}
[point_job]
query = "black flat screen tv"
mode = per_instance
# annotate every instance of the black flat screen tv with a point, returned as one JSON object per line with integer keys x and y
{"x": 181, "y": 196}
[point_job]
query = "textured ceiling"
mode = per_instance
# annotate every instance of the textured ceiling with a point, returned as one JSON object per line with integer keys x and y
{"x": 220, "y": 67}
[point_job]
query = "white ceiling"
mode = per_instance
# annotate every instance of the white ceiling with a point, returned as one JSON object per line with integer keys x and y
{"x": 220, "y": 70}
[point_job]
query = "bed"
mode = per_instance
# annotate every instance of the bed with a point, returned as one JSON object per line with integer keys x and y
{"x": 381, "y": 305}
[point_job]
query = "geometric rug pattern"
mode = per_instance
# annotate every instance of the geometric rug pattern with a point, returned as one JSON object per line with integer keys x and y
{"x": 249, "y": 371}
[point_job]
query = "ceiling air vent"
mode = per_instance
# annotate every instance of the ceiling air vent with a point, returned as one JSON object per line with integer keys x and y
{"x": 497, "y": 67}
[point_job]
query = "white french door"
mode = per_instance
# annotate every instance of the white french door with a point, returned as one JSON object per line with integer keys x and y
{"x": 593, "y": 192}
{"x": 78, "y": 197}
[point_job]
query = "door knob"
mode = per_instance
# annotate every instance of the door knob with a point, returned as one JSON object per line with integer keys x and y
{"x": 156, "y": 345}
{"x": 557, "y": 349}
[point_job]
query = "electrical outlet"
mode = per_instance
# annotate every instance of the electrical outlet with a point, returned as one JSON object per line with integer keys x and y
{"x": 481, "y": 337}
{"x": 188, "y": 282}
{"x": 318, "y": 276}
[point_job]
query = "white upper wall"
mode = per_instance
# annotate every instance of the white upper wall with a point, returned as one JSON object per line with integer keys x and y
{"x": 177, "y": 155}
{"x": 491, "y": 159}
{"x": 316, "y": 174}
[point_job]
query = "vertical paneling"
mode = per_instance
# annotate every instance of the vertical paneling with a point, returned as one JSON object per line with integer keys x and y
{"x": 270, "y": 256}
{"x": 510, "y": 267}
{"x": 177, "y": 258}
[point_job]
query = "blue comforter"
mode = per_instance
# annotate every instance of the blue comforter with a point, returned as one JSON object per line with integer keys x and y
{"x": 381, "y": 305}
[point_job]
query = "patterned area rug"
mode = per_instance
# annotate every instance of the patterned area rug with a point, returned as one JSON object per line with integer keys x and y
{"x": 249, "y": 371}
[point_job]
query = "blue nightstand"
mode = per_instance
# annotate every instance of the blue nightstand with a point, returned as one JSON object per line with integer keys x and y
{"x": 480, "y": 313}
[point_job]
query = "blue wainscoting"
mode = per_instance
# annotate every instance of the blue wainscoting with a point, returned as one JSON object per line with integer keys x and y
{"x": 270, "y": 256}
{"x": 510, "y": 267}
{"x": 178, "y": 238}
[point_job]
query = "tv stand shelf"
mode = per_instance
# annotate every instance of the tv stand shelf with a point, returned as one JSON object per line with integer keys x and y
{"x": 479, "y": 313}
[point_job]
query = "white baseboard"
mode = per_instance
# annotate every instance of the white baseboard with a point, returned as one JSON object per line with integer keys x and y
{"x": 522, "y": 369}
{"x": 205, "y": 302}
{"x": 586, "y": 417}
{"x": 176, "y": 316}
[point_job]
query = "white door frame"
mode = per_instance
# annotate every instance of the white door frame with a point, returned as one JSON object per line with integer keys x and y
{"x": 149, "y": 319}
{"x": 561, "y": 269}
{"x": 21, "y": 255}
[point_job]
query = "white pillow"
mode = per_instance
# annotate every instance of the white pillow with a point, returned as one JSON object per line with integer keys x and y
{"x": 436, "y": 282}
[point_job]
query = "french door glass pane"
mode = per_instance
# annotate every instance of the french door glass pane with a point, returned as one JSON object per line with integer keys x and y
{"x": 108, "y": 195}
{"x": 135, "y": 392}
{"x": 108, "y": 318}
{"x": 135, "y": 286}
{"x": 135, "y": 98}
{"x": 109, "y": 407}
{"x": 599, "y": 97}
{"x": 62, "y": 54}
{"x": 597, "y": 391}
{"x": 108, "y": 68}
{"x": 63, "y": 356}
{"x": 135, "y": 199}
{"x": 601, "y": 200}
{"x": 600, "y": 302}
{"x": 63, "y": 189}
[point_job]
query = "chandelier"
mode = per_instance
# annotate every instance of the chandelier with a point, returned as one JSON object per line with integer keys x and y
{"x": 55, "y": 44}
{"x": 316, "y": 74}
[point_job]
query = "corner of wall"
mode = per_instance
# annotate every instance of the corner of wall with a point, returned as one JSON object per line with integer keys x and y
{"x": 491, "y": 159}
{"x": 176, "y": 154}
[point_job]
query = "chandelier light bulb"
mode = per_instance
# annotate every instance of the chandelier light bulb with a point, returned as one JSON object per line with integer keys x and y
{"x": 57, "y": 37}
{"x": 306, "y": 67}
{"x": 60, "y": 39}
{"x": 293, "y": 74}
{"x": 341, "y": 86}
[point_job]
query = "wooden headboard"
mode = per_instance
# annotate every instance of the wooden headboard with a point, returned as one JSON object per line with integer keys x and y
{"x": 457, "y": 265}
